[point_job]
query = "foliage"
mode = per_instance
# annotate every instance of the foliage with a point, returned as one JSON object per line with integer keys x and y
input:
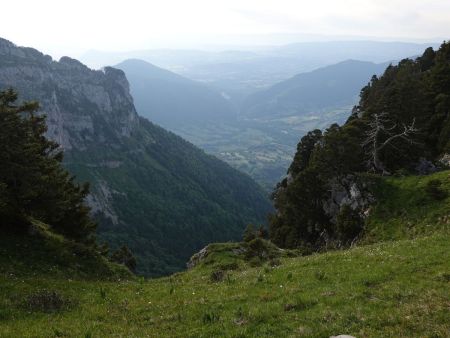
{"x": 124, "y": 256}
{"x": 33, "y": 183}
{"x": 170, "y": 198}
{"x": 404, "y": 210}
{"x": 45, "y": 300}
{"x": 370, "y": 291}
{"x": 413, "y": 97}
{"x": 151, "y": 190}
{"x": 249, "y": 233}
{"x": 434, "y": 189}
{"x": 348, "y": 224}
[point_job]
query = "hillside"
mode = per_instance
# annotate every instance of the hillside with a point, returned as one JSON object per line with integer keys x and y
{"x": 320, "y": 91}
{"x": 171, "y": 100}
{"x": 401, "y": 126}
{"x": 151, "y": 190}
{"x": 392, "y": 289}
{"x": 261, "y": 142}
{"x": 406, "y": 209}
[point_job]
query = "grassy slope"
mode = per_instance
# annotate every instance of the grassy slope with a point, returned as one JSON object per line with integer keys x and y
{"x": 391, "y": 289}
{"x": 397, "y": 289}
{"x": 405, "y": 211}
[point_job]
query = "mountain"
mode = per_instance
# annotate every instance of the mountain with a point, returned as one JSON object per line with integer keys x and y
{"x": 329, "y": 52}
{"x": 400, "y": 127}
{"x": 239, "y": 73}
{"x": 171, "y": 100}
{"x": 151, "y": 189}
{"x": 367, "y": 291}
{"x": 319, "y": 91}
{"x": 261, "y": 142}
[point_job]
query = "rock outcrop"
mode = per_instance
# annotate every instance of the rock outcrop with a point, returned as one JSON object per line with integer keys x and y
{"x": 100, "y": 104}
{"x": 349, "y": 190}
{"x": 151, "y": 190}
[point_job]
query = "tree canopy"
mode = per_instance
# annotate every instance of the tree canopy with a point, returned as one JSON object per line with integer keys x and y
{"x": 33, "y": 183}
{"x": 413, "y": 100}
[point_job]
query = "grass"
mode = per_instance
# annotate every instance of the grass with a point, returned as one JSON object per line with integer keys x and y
{"x": 391, "y": 288}
{"x": 397, "y": 289}
{"x": 405, "y": 210}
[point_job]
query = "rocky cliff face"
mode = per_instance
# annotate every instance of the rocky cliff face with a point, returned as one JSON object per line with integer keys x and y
{"x": 151, "y": 190}
{"x": 350, "y": 190}
{"x": 100, "y": 104}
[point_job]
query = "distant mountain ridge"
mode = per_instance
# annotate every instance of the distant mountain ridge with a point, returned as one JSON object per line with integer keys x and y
{"x": 170, "y": 99}
{"x": 317, "y": 91}
{"x": 152, "y": 190}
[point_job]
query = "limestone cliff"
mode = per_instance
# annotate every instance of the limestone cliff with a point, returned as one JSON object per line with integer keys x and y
{"x": 152, "y": 190}
{"x": 100, "y": 104}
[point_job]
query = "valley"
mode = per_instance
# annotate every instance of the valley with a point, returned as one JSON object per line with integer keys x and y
{"x": 398, "y": 287}
{"x": 225, "y": 169}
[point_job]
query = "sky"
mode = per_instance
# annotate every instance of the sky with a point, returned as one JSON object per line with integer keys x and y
{"x": 67, "y": 27}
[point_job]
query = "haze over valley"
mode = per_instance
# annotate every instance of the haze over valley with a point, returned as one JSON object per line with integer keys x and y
{"x": 233, "y": 168}
{"x": 250, "y": 108}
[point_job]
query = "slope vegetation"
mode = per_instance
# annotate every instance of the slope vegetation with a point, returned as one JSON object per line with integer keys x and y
{"x": 389, "y": 289}
{"x": 395, "y": 289}
{"x": 151, "y": 190}
{"x": 320, "y": 91}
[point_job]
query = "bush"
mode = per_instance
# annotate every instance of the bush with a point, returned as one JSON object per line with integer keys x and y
{"x": 217, "y": 276}
{"x": 229, "y": 266}
{"x": 435, "y": 191}
{"x": 249, "y": 233}
{"x": 124, "y": 256}
{"x": 274, "y": 262}
{"x": 349, "y": 224}
{"x": 45, "y": 301}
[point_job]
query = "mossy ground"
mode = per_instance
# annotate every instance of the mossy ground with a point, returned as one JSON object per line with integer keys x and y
{"x": 390, "y": 289}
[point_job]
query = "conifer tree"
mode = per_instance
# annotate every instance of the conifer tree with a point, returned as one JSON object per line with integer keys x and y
{"x": 33, "y": 183}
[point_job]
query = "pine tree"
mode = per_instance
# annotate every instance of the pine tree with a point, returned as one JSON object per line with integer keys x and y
{"x": 33, "y": 183}
{"x": 249, "y": 233}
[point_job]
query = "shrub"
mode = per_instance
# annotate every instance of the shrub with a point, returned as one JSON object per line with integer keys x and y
{"x": 349, "y": 224}
{"x": 229, "y": 266}
{"x": 217, "y": 276}
{"x": 45, "y": 301}
{"x": 435, "y": 191}
{"x": 124, "y": 256}
{"x": 255, "y": 262}
{"x": 274, "y": 262}
{"x": 249, "y": 233}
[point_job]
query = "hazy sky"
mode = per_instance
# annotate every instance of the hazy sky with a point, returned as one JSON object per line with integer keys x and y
{"x": 69, "y": 26}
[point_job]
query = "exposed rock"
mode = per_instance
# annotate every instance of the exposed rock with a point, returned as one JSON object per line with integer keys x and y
{"x": 342, "y": 336}
{"x": 83, "y": 106}
{"x": 100, "y": 201}
{"x": 425, "y": 167}
{"x": 445, "y": 160}
{"x": 349, "y": 190}
{"x": 197, "y": 258}
{"x": 92, "y": 115}
{"x": 104, "y": 106}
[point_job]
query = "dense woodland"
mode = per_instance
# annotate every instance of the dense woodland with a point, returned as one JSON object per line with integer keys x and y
{"x": 401, "y": 126}
{"x": 178, "y": 199}
{"x": 149, "y": 189}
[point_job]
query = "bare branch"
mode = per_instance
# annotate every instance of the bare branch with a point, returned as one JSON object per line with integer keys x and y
{"x": 377, "y": 130}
